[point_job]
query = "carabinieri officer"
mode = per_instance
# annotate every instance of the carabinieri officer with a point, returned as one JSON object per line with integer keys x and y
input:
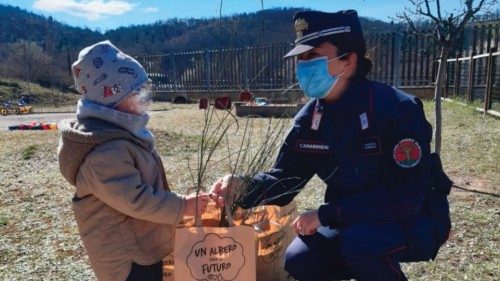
{"x": 385, "y": 201}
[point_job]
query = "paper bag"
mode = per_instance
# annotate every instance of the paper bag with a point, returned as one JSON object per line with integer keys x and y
{"x": 215, "y": 253}
{"x": 283, "y": 214}
{"x": 168, "y": 268}
{"x": 273, "y": 241}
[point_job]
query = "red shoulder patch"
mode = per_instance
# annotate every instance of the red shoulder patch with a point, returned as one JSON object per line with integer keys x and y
{"x": 407, "y": 153}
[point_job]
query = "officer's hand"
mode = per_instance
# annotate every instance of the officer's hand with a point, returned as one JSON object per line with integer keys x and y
{"x": 307, "y": 223}
{"x": 223, "y": 190}
{"x": 196, "y": 205}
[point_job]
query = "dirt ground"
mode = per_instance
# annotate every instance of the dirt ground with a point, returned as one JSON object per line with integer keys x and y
{"x": 475, "y": 184}
{"x": 39, "y": 238}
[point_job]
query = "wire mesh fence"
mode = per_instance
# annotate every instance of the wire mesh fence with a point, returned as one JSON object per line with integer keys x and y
{"x": 475, "y": 79}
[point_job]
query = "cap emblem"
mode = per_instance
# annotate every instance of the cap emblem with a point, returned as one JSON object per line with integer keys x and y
{"x": 300, "y": 26}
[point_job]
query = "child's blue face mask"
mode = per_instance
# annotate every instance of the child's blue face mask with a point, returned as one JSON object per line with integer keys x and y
{"x": 314, "y": 78}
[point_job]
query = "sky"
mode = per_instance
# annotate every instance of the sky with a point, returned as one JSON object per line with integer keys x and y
{"x": 109, "y": 14}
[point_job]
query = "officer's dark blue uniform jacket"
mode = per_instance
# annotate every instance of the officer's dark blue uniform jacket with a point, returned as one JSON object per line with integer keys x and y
{"x": 352, "y": 152}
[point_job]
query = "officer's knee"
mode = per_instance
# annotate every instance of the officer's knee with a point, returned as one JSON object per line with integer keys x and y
{"x": 352, "y": 251}
{"x": 351, "y": 254}
{"x": 298, "y": 261}
{"x": 293, "y": 261}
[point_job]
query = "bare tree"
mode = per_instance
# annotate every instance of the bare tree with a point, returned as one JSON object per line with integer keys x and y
{"x": 447, "y": 28}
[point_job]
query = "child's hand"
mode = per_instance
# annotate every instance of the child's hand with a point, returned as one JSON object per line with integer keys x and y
{"x": 223, "y": 190}
{"x": 190, "y": 207}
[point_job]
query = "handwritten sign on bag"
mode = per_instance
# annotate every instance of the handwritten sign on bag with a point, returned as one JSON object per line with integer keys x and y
{"x": 215, "y": 253}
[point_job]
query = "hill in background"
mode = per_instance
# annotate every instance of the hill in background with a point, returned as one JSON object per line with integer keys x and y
{"x": 247, "y": 29}
{"x": 40, "y": 49}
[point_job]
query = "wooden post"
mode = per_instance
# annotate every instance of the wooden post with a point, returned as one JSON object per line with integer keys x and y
{"x": 410, "y": 51}
{"x": 489, "y": 78}
{"x": 457, "y": 77}
{"x": 397, "y": 60}
{"x": 387, "y": 51}
{"x": 446, "y": 80}
{"x": 470, "y": 83}
{"x": 480, "y": 62}
{"x": 422, "y": 56}
{"x": 246, "y": 53}
{"x": 206, "y": 64}
{"x": 174, "y": 76}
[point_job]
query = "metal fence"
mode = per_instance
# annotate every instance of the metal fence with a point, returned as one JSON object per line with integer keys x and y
{"x": 259, "y": 68}
{"x": 475, "y": 79}
{"x": 399, "y": 59}
{"x": 403, "y": 59}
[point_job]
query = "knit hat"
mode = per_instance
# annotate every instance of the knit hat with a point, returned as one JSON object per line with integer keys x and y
{"x": 105, "y": 75}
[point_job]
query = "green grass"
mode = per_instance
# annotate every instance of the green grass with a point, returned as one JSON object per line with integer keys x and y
{"x": 28, "y": 152}
{"x": 471, "y": 141}
{"x": 3, "y": 221}
{"x": 495, "y": 105}
{"x": 39, "y": 238}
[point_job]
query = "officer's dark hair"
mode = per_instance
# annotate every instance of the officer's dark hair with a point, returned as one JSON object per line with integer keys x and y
{"x": 346, "y": 44}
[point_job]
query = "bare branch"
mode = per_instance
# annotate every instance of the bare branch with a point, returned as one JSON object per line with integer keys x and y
{"x": 429, "y": 14}
{"x": 410, "y": 22}
{"x": 438, "y": 7}
{"x": 435, "y": 34}
{"x": 468, "y": 4}
{"x": 470, "y": 12}
{"x": 459, "y": 16}
{"x": 479, "y": 6}
{"x": 447, "y": 29}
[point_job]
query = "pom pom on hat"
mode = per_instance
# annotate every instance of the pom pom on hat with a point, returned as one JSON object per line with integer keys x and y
{"x": 105, "y": 75}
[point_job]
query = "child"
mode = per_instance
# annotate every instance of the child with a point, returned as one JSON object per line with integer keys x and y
{"x": 123, "y": 206}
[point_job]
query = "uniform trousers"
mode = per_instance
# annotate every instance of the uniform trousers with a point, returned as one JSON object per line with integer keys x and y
{"x": 369, "y": 250}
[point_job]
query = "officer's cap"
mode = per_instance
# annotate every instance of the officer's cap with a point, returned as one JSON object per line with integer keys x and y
{"x": 314, "y": 28}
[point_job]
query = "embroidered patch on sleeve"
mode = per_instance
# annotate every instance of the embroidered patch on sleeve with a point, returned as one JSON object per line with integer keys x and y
{"x": 407, "y": 153}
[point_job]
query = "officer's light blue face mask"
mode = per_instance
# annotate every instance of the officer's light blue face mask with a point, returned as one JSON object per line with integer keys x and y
{"x": 314, "y": 78}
